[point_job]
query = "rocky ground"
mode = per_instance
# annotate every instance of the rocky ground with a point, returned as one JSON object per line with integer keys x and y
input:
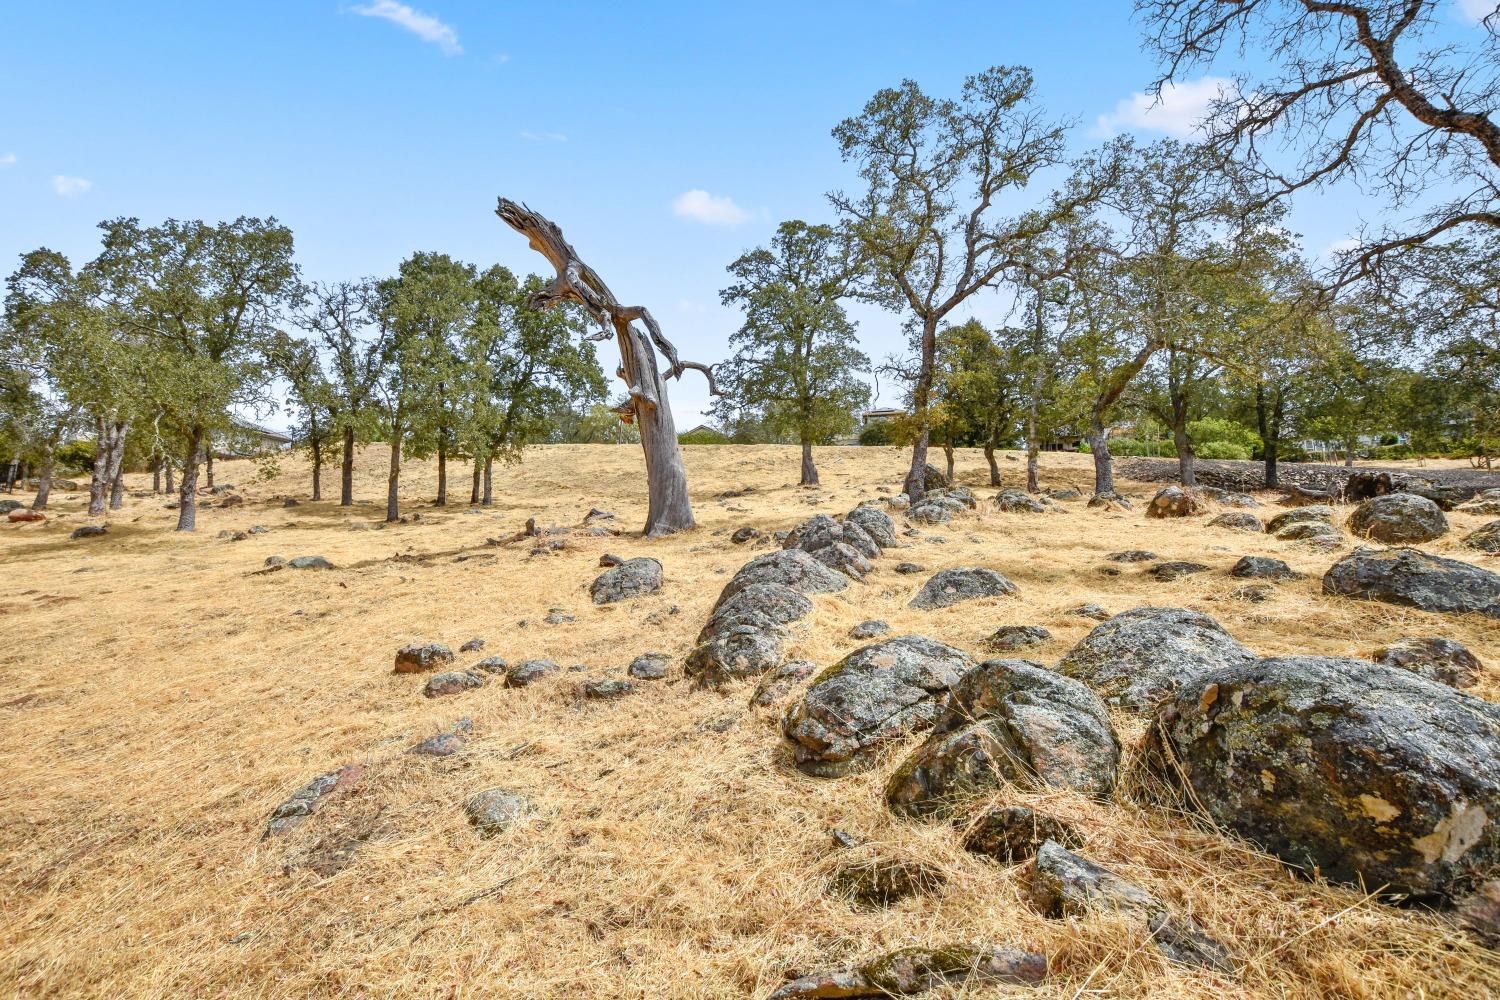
{"x": 829, "y": 744}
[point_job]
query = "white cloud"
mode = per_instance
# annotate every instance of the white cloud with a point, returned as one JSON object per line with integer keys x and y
{"x": 544, "y": 136}
{"x": 70, "y": 187}
{"x": 1476, "y": 11}
{"x": 1179, "y": 112}
{"x": 424, "y": 26}
{"x": 712, "y": 210}
{"x": 8, "y": 160}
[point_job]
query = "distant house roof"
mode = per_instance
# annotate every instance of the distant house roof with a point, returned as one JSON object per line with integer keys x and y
{"x": 703, "y": 427}
{"x": 881, "y": 413}
{"x": 265, "y": 432}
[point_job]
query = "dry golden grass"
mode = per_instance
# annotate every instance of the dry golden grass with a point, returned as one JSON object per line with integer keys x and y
{"x": 158, "y": 699}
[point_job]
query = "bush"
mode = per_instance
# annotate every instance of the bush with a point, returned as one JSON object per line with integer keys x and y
{"x": 1211, "y": 430}
{"x": 875, "y": 435}
{"x": 1223, "y": 450}
{"x": 76, "y": 456}
{"x": 703, "y": 435}
{"x": 1392, "y": 452}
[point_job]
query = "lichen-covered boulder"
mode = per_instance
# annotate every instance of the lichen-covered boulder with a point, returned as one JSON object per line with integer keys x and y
{"x": 1316, "y": 533}
{"x": 1176, "y": 569}
{"x": 528, "y": 672}
{"x": 1009, "y": 721}
{"x": 762, "y": 605}
{"x": 452, "y": 682}
{"x": 1132, "y": 556}
{"x": 649, "y": 666}
{"x": 1009, "y": 637}
{"x": 954, "y": 586}
{"x": 1237, "y": 520}
{"x": 917, "y": 970}
{"x": 1063, "y": 884}
{"x": 869, "y": 629}
{"x": 1140, "y": 657}
{"x": 1415, "y": 579}
{"x": 872, "y": 696}
{"x": 1301, "y": 515}
{"x": 1485, "y": 538}
{"x": 845, "y": 559}
{"x": 1397, "y": 518}
{"x": 632, "y": 578}
{"x": 931, "y": 512}
{"x": 932, "y": 479}
{"x": 1263, "y": 568}
{"x": 1371, "y": 774}
{"x": 780, "y": 681}
{"x": 496, "y": 810}
{"x": 875, "y": 522}
{"x": 792, "y": 568}
{"x": 1019, "y": 502}
{"x": 734, "y": 652}
{"x": 812, "y": 534}
{"x": 417, "y": 657}
{"x": 1174, "y": 501}
{"x": 1012, "y": 834}
{"x": 1487, "y": 506}
{"x": 1436, "y": 659}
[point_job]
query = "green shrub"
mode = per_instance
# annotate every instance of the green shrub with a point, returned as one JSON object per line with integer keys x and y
{"x": 76, "y": 456}
{"x": 1216, "y": 429}
{"x": 1222, "y": 450}
{"x": 706, "y": 435}
{"x": 1392, "y": 452}
{"x": 875, "y": 435}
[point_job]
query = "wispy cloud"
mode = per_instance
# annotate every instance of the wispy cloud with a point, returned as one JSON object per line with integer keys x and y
{"x": 424, "y": 26}
{"x": 1179, "y": 113}
{"x": 70, "y": 187}
{"x": 8, "y": 160}
{"x": 1475, "y": 11}
{"x": 543, "y": 136}
{"x": 711, "y": 210}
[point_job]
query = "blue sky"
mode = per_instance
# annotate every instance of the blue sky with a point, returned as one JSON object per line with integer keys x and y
{"x": 665, "y": 138}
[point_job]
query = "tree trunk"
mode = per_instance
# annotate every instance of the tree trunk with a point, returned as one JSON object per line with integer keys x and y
{"x": 117, "y": 491}
{"x": 99, "y": 479}
{"x": 442, "y": 493}
{"x": 44, "y": 486}
{"x": 317, "y": 459}
{"x": 809, "y": 470}
{"x": 169, "y": 472}
{"x": 489, "y": 482}
{"x": 156, "y": 476}
{"x": 346, "y": 480}
{"x": 1104, "y": 463}
{"x": 1034, "y": 467}
{"x": 948, "y": 457}
{"x": 474, "y": 488}
{"x": 393, "y": 482}
{"x": 916, "y": 477}
{"x": 1186, "y": 470}
{"x": 208, "y": 456}
{"x": 669, "y": 508}
{"x": 989, "y": 456}
{"x": 187, "y": 495}
{"x": 11, "y": 472}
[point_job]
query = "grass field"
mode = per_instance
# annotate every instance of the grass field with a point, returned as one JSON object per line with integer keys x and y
{"x": 159, "y": 698}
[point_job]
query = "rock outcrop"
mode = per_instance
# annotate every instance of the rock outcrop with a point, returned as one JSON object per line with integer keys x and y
{"x": 1415, "y": 579}
{"x": 1398, "y": 518}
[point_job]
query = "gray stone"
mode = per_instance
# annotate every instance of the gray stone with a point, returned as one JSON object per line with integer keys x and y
{"x": 1009, "y": 721}
{"x": 1263, "y": 568}
{"x": 869, "y": 629}
{"x": 874, "y": 695}
{"x": 309, "y": 562}
{"x": 1318, "y": 532}
{"x": 1485, "y": 538}
{"x": 1141, "y": 657}
{"x": 1176, "y": 569}
{"x": 1009, "y": 637}
{"x": 1019, "y": 502}
{"x": 607, "y": 688}
{"x": 908, "y": 568}
{"x": 1415, "y": 579}
{"x": 792, "y": 568}
{"x": 472, "y": 646}
{"x": 875, "y": 522}
{"x": 275, "y": 561}
{"x": 1132, "y": 556}
{"x": 880, "y": 881}
{"x": 954, "y": 586}
{"x": 762, "y": 605}
{"x": 844, "y": 559}
{"x": 496, "y": 810}
{"x": 1397, "y": 518}
{"x": 1371, "y": 774}
{"x": 445, "y": 744}
{"x": 491, "y": 665}
{"x": 917, "y": 970}
{"x": 418, "y": 657}
{"x": 1093, "y": 611}
{"x": 734, "y": 652}
{"x": 780, "y": 681}
{"x": 632, "y": 578}
{"x": 452, "y": 682}
{"x": 1441, "y": 660}
{"x": 649, "y": 666}
{"x": 306, "y": 800}
{"x": 814, "y": 533}
{"x": 1174, "y": 501}
{"x": 89, "y": 531}
{"x": 1237, "y": 520}
{"x": 528, "y": 672}
{"x": 1012, "y": 834}
{"x": 930, "y": 512}
{"x": 1063, "y": 884}
{"x": 743, "y": 535}
{"x": 1301, "y": 515}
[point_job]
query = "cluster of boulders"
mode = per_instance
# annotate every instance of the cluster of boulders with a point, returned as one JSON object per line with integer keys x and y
{"x": 747, "y": 633}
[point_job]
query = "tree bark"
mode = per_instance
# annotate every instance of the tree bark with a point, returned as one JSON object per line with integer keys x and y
{"x": 10, "y": 474}
{"x": 1104, "y": 463}
{"x": 948, "y": 459}
{"x": 989, "y": 456}
{"x": 156, "y": 476}
{"x": 99, "y": 478}
{"x": 117, "y": 491}
{"x": 317, "y": 460}
{"x": 442, "y": 492}
{"x": 669, "y": 508}
{"x": 1186, "y": 464}
{"x": 489, "y": 494}
{"x": 169, "y": 472}
{"x": 187, "y": 495}
{"x": 346, "y": 478}
{"x": 474, "y": 488}
{"x": 921, "y": 394}
{"x": 44, "y": 485}
{"x": 809, "y": 470}
{"x": 208, "y": 456}
{"x": 393, "y": 483}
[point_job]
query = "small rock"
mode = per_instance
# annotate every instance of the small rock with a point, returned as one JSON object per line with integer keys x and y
{"x": 1441, "y": 660}
{"x": 491, "y": 665}
{"x": 649, "y": 666}
{"x": 472, "y": 646}
{"x": 417, "y": 657}
{"x": 607, "y": 688}
{"x": 632, "y": 578}
{"x": 306, "y": 800}
{"x": 1263, "y": 568}
{"x": 1012, "y": 834}
{"x": 89, "y": 531}
{"x": 1019, "y": 502}
{"x": 275, "y": 561}
{"x": 908, "y": 568}
{"x": 1132, "y": 556}
{"x": 1176, "y": 569}
{"x": 869, "y": 629}
{"x": 917, "y": 970}
{"x": 879, "y": 882}
{"x": 1174, "y": 501}
{"x": 1237, "y": 520}
{"x": 444, "y": 744}
{"x": 309, "y": 562}
{"x": 257, "y": 529}
{"x": 557, "y": 616}
{"x": 609, "y": 559}
{"x": 1301, "y": 515}
{"x": 291, "y": 502}
{"x": 780, "y": 681}
{"x": 1093, "y": 611}
{"x": 452, "y": 682}
{"x": 954, "y": 586}
{"x": 1485, "y": 538}
{"x": 22, "y": 515}
{"x": 496, "y": 810}
{"x": 1253, "y": 592}
{"x": 1479, "y": 912}
{"x": 528, "y": 672}
{"x": 743, "y": 535}
{"x": 1009, "y": 637}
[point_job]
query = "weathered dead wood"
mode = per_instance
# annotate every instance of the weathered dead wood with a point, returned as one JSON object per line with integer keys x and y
{"x": 668, "y": 507}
